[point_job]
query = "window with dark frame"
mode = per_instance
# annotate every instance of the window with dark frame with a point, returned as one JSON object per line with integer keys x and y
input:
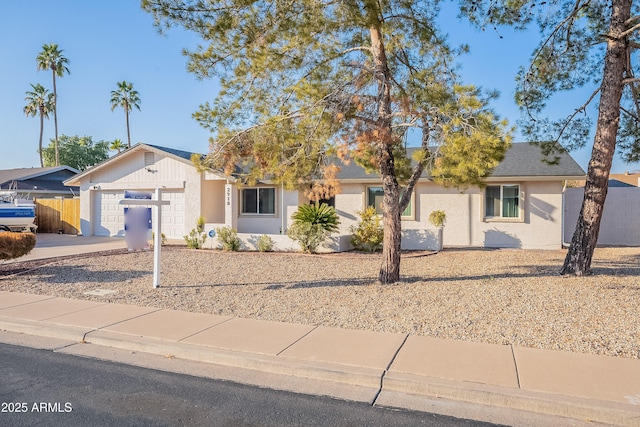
{"x": 502, "y": 201}
{"x": 375, "y": 197}
{"x": 259, "y": 201}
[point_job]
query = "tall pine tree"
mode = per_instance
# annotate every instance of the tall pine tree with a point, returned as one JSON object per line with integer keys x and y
{"x": 584, "y": 43}
{"x": 308, "y": 79}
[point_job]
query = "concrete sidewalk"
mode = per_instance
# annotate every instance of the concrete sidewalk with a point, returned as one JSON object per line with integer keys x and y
{"x": 393, "y": 370}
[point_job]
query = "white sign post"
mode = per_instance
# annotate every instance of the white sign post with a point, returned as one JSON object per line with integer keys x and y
{"x": 157, "y": 229}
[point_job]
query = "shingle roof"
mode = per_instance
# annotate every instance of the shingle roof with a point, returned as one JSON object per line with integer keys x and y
{"x": 179, "y": 153}
{"x": 521, "y": 160}
{"x": 524, "y": 159}
{"x": 7, "y": 175}
{"x": 28, "y": 179}
{"x": 614, "y": 183}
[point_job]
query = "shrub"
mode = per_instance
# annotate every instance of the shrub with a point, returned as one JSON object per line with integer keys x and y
{"x": 265, "y": 243}
{"x": 437, "y": 218}
{"x": 163, "y": 238}
{"x": 323, "y": 215}
{"x": 368, "y": 233}
{"x": 200, "y": 224}
{"x": 311, "y": 224}
{"x": 15, "y": 245}
{"x": 228, "y": 237}
{"x": 195, "y": 240}
{"x": 309, "y": 236}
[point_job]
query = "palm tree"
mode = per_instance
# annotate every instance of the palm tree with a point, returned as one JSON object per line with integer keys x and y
{"x": 116, "y": 145}
{"x": 51, "y": 59}
{"x": 39, "y": 101}
{"x": 126, "y": 98}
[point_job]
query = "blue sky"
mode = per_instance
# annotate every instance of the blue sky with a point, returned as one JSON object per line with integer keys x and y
{"x": 110, "y": 41}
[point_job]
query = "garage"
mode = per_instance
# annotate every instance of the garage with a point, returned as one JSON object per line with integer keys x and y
{"x": 109, "y": 214}
{"x": 144, "y": 168}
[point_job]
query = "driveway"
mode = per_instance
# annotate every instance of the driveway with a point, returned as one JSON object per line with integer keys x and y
{"x": 58, "y": 245}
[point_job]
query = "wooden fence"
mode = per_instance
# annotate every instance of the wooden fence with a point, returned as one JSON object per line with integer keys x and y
{"x": 58, "y": 215}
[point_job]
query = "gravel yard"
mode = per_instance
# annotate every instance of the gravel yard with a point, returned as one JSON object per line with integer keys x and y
{"x": 493, "y": 296}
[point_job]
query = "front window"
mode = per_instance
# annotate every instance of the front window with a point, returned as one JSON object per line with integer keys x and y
{"x": 375, "y": 196}
{"x": 331, "y": 201}
{"x": 259, "y": 201}
{"x": 502, "y": 201}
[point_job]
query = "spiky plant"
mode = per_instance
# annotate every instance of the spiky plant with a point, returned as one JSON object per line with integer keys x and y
{"x": 322, "y": 215}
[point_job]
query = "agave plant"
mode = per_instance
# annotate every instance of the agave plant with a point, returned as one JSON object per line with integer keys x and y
{"x": 322, "y": 215}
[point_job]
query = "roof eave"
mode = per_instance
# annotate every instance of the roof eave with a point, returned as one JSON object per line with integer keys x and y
{"x": 534, "y": 178}
{"x": 48, "y": 171}
{"x": 75, "y": 180}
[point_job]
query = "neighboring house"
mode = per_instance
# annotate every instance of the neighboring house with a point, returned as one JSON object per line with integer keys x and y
{"x": 39, "y": 182}
{"x": 616, "y": 180}
{"x": 521, "y": 205}
{"x": 632, "y": 178}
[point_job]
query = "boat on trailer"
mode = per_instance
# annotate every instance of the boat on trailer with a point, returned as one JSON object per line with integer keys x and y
{"x": 16, "y": 214}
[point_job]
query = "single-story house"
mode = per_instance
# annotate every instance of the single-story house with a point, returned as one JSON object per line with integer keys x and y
{"x": 521, "y": 206}
{"x": 44, "y": 182}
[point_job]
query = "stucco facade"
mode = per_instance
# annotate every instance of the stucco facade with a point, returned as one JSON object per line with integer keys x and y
{"x": 512, "y": 211}
{"x": 539, "y": 225}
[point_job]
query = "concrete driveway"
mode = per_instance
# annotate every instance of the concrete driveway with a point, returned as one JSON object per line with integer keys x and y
{"x": 57, "y": 245}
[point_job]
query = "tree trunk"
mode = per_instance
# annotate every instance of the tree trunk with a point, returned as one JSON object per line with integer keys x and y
{"x": 126, "y": 113}
{"x": 585, "y": 237}
{"x": 40, "y": 141}
{"x": 55, "y": 116}
{"x": 390, "y": 268}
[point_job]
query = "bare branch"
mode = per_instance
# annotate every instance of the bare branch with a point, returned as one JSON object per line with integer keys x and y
{"x": 629, "y": 31}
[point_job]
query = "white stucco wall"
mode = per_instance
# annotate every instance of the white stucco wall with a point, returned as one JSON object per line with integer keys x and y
{"x": 539, "y": 227}
{"x": 333, "y": 243}
{"x": 213, "y": 200}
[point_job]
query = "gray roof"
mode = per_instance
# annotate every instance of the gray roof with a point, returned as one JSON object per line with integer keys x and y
{"x": 42, "y": 179}
{"x": 179, "y": 153}
{"x": 521, "y": 160}
{"x": 524, "y": 159}
{"x": 614, "y": 183}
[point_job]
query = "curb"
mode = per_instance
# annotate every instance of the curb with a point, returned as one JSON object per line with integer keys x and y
{"x": 396, "y": 385}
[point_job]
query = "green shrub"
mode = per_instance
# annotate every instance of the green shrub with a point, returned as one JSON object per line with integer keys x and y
{"x": 323, "y": 215}
{"x": 265, "y": 243}
{"x": 311, "y": 224}
{"x": 437, "y": 218}
{"x": 368, "y": 233}
{"x": 200, "y": 224}
{"x": 15, "y": 245}
{"x": 309, "y": 236}
{"x": 163, "y": 238}
{"x": 195, "y": 239}
{"x": 228, "y": 237}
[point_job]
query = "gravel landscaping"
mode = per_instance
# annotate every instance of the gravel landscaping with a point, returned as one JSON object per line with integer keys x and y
{"x": 493, "y": 296}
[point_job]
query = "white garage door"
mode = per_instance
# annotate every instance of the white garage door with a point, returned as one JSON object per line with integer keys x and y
{"x": 173, "y": 215}
{"x": 108, "y": 214}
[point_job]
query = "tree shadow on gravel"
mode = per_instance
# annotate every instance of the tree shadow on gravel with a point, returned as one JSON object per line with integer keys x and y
{"x": 292, "y": 284}
{"x": 66, "y": 274}
{"x": 615, "y": 269}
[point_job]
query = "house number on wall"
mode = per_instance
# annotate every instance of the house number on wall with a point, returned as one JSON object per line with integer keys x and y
{"x": 228, "y": 197}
